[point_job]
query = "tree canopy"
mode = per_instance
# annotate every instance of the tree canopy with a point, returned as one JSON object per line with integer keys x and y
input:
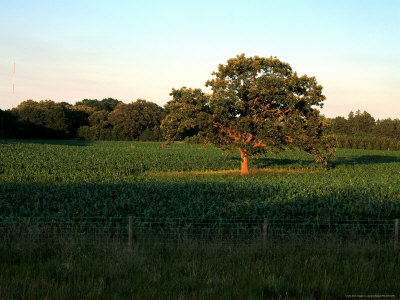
{"x": 46, "y": 118}
{"x": 139, "y": 120}
{"x": 186, "y": 114}
{"x": 107, "y": 104}
{"x": 257, "y": 105}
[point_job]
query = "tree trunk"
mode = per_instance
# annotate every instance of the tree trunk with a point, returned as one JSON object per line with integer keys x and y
{"x": 244, "y": 170}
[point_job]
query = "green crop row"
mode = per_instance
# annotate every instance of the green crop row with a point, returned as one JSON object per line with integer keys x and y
{"x": 39, "y": 179}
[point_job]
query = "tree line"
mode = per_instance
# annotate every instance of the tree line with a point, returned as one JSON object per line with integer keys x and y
{"x": 362, "y": 123}
{"x": 89, "y": 119}
{"x": 111, "y": 119}
{"x": 361, "y": 131}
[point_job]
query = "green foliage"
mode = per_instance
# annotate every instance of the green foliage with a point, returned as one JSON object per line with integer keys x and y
{"x": 99, "y": 129}
{"x": 43, "y": 119}
{"x": 48, "y": 119}
{"x": 388, "y": 128}
{"x": 47, "y": 113}
{"x": 99, "y": 118}
{"x": 107, "y": 104}
{"x": 108, "y": 119}
{"x": 186, "y": 114}
{"x": 361, "y": 131}
{"x": 361, "y": 122}
{"x": 137, "y": 120}
{"x": 257, "y": 105}
{"x": 369, "y": 142}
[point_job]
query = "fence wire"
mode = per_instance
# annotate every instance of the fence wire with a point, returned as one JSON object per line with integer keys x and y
{"x": 175, "y": 229}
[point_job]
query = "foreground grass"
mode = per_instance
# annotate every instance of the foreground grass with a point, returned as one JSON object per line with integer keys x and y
{"x": 213, "y": 270}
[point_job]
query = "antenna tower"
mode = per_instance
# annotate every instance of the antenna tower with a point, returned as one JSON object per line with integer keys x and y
{"x": 13, "y": 87}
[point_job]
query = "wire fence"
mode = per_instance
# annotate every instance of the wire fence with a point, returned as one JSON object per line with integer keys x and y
{"x": 134, "y": 229}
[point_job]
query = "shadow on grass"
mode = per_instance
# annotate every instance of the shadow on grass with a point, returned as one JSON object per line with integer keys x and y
{"x": 339, "y": 161}
{"x": 191, "y": 199}
{"x": 366, "y": 159}
{"x": 269, "y": 162}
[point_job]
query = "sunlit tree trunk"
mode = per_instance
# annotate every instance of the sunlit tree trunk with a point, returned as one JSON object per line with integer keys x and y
{"x": 244, "y": 170}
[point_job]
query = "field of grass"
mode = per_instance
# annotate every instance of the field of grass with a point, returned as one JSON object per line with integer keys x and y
{"x": 62, "y": 179}
{"x": 113, "y": 179}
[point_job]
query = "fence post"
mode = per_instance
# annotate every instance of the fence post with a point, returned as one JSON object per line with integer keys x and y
{"x": 130, "y": 232}
{"x": 396, "y": 234}
{"x": 265, "y": 230}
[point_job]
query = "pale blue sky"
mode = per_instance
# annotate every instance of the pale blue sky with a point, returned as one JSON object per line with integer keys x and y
{"x": 71, "y": 50}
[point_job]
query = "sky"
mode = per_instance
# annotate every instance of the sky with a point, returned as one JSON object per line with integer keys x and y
{"x": 128, "y": 50}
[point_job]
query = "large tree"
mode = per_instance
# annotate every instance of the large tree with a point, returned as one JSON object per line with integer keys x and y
{"x": 257, "y": 105}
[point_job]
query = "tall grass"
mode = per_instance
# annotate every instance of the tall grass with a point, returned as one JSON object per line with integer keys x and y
{"x": 106, "y": 269}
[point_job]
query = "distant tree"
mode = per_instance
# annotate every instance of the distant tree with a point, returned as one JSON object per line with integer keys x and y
{"x": 185, "y": 114}
{"x": 46, "y": 119}
{"x": 363, "y": 122}
{"x": 138, "y": 120}
{"x": 340, "y": 125}
{"x": 99, "y": 119}
{"x": 99, "y": 128}
{"x": 257, "y": 105}
{"x": 361, "y": 131}
{"x": 360, "y": 122}
{"x": 351, "y": 124}
{"x": 388, "y": 127}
